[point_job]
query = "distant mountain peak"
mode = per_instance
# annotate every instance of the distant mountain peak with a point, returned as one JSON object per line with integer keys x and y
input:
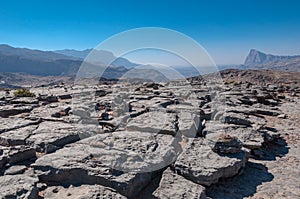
{"x": 255, "y": 57}
{"x": 260, "y": 60}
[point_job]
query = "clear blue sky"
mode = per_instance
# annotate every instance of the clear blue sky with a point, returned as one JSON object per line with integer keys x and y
{"x": 227, "y": 29}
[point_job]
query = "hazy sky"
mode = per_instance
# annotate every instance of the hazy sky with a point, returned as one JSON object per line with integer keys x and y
{"x": 226, "y": 29}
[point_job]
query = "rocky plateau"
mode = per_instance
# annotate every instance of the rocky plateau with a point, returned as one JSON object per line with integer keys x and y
{"x": 235, "y": 137}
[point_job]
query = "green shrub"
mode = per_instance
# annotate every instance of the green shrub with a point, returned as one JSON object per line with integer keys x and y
{"x": 23, "y": 93}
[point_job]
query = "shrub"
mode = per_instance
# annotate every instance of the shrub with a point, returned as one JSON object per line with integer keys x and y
{"x": 23, "y": 93}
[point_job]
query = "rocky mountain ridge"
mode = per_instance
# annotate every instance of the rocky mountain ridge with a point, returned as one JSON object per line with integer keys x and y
{"x": 48, "y": 63}
{"x": 259, "y": 60}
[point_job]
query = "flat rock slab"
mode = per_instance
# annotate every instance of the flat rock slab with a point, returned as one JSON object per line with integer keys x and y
{"x": 16, "y": 154}
{"x": 18, "y": 186}
{"x": 12, "y": 123}
{"x": 17, "y": 136}
{"x": 50, "y": 136}
{"x": 176, "y": 186}
{"x": 20, "y": 154}
{"x": 201, "y": 165}
{"x": 234, "y": 118}
{"x": 154, "y": 102}
{"x": 16, "y": 169}
{"x": 136, "y": 151}
{"x": 24, "y": 100}
{"x": 184, "y": 108}
{"x": 81, "y": 192}
{"x": 46, "y": 111}
{"x": 10, "y": 110}
{"x": 250, "y": 138}
{"x": 125, "y": 161}
{"x": 241, "y": 119}
{"x": 255, "y": 111}
{"x": 154, "y": 122}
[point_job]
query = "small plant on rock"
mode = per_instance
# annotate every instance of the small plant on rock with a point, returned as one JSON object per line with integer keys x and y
{"x": 23, "y": 93}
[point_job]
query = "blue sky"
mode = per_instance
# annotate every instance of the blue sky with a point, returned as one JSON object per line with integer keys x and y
{"x": 226, "y": 29}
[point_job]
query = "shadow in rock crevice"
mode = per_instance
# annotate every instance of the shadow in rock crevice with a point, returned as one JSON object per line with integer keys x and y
{"x": 241, "y": 186}
{"x": 270, "y": 150}
{"x": 147, "y": 192}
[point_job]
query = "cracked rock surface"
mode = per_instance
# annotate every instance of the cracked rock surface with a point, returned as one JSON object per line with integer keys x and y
{"x": 180, "y": 139}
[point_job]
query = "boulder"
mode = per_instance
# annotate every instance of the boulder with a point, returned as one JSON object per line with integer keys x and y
{"x": 201, "y": 165}
{"x": 189, "y": 124}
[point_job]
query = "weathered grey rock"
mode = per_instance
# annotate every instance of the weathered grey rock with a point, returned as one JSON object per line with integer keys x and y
{"x": 12, "y": 123}
{"x": 154, "y": 102}
{"x": 24, "y": 100}
{"x": 189, "y": 124}
{"x": 3, "y": 159}
{"x": 176, "y": 186}
{"x": 248, "y": 100}
{"x": 49, "y": 98}
{"x": 16, "y": 169}
{"x": 183, "y": 107}
{"x": 10, "y": 110}
{"x": 237, "y": 119}
{"x": 81, "y": 192}
{"x": 249, "y": 137}
{"x": 17, "y": 136}
{"x": 62, "y": 113}
{"x": 271, "y": 102}
{"x": 18, "y": 154}
{"x": 101, "y": 165}
{"x": 46, "y": 111}
{"x": 141, "y": 97}
{"x": 18, "y": 186}
{"x": 201, "y": 165}
{"x": 227, "y": 144}
{"x": 248, "y": 120}
{"x": 255, "y": 111}
{"x": 125, "y": 161}
{"x": 154, "y": 122}
{"x": 50, "y": 136}
{"x": 282, "y": 116}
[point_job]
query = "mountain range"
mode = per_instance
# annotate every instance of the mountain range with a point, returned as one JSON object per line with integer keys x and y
{"x": 67, "y": 62}
{"x": 57, "y": 63}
